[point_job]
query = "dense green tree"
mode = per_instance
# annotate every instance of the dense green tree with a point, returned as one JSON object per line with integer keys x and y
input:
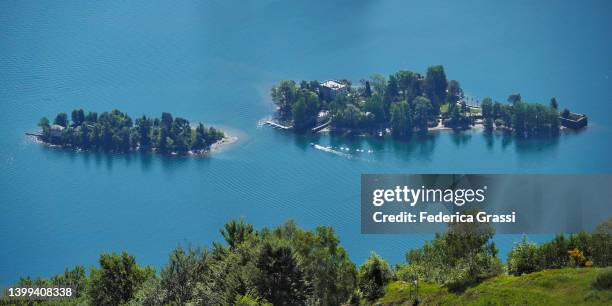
{"x": 601, "y": 244}
{"x": 144, "y": 125}
{"x": 44, "y": 122}
{"x": 421, "y": 114}
{"x": 435, "y": 86}
{"x": 401, "y": 121}
{"x": 410, "y": 84}
{"x": 166, "y": 120}
{"x": 45, "y": 127}
{"x": 379, "y": 84}
{"x": 454, "y": 92}
{"x": 180, "y": 276}
{"x": 553, "y": 103}
{"x": 117, "y": 279}
{"x": 457, "y": 119}
{"x": 487, "y": 108}
{"x": 74, "y": 278}
{"x": 149, "y": 294}
{"x": 523, "y": 258}
{"x": 61, "y": 119}
{"x": 92, "y": 117}
{"x": 236, "y": 232}
{"x": 284, "y": 95}
{"x": 83, "y": 137}
{"x": 305, "y": 112}
{"x": 164, "y": 143}
{"x": 373, "y": 276}
{"x": 368, "y": 89}
{"x": 392, "y": 90}
{"x": 553, "y": 254}
{"x": 515, "y": 98}
{"x": 327, "y": 268}
{"x": 457, "y": 258}
{"x": 349, "y": 117}
{"x": 78, "y": 117}
{"x": 199, "y": 137}
{"x": 281, "y": 280}
{"x": 375, "y": 106}
{"x": 534, "y": 119}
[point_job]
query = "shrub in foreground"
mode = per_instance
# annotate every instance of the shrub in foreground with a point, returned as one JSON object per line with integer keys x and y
{"x": 603, "y": 281}
{"x": 523, "y": 258}
{"x": 373, "y": 276}
{"x": 461, "y": 257}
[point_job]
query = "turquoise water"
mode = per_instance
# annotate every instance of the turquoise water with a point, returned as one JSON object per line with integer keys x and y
{"x": 214, "y": 62}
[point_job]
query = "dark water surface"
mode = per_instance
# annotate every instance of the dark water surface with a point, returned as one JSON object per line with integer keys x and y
{"x": 214, "y": 61}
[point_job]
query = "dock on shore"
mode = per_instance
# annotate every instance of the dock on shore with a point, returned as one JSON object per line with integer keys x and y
{"x": 277, "y": 125}
{"x": 320, "y": 127}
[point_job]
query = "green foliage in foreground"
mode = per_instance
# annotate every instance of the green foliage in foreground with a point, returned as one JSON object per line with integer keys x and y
{"x": 287, "y": 265}
{"x": 117, "y": 279}
{"x": 116, "y": 131}
{"x": 569, "y": 286}
{"x": 461, "y": 257}
{"x": 577, "y": 250}
{"x": 373, "y": 275}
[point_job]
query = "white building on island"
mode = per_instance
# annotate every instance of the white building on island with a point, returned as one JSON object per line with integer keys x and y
{"x": 56, "y": 131}
{"x": 331, "y": 88}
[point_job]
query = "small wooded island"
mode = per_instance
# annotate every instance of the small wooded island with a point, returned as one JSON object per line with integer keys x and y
{"x": 115, "y": 131}
{"x": 407, "y": 102}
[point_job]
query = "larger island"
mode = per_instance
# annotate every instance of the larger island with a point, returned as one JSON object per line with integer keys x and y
{"x": 406, "y": 103}
{"x": 116, "y": 131}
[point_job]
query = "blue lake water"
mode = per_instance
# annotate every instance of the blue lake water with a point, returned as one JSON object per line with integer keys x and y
{"x": 214, "y": 61}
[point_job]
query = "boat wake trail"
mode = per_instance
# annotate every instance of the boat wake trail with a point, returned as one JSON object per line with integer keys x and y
{"x": 330, "y": 150}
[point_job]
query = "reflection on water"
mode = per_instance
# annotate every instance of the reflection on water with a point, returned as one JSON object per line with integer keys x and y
{"x": 461, "y": 138}
{"x": 107, "y": 160}
{"x": 419, "y": 146}
{"x": 424, "y": 146}
{"x": 522, "y": 146}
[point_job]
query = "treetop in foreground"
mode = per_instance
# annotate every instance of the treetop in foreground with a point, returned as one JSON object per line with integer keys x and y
{"x": 287, "y": 265}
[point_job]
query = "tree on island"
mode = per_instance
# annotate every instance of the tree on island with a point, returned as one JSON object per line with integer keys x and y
{"x": 422, "y": 110}
{"x": 368, "y": 89}
{"x": 487, "y": 113}
{"x": 514, "y": 98}
{"x": 115, "y": 131}
{"x": 454, "y": 92}
{"x": 61, "y": 119}
{"x": 401, "y": 120}
{"x": 553, "y": 103}
{"x": 405, "y": 102}
{"x": 305, "y": 111}
{"x": 435, "y": 86}
{"x": 410, "y": 84}
{"x": 284, "y": 95}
